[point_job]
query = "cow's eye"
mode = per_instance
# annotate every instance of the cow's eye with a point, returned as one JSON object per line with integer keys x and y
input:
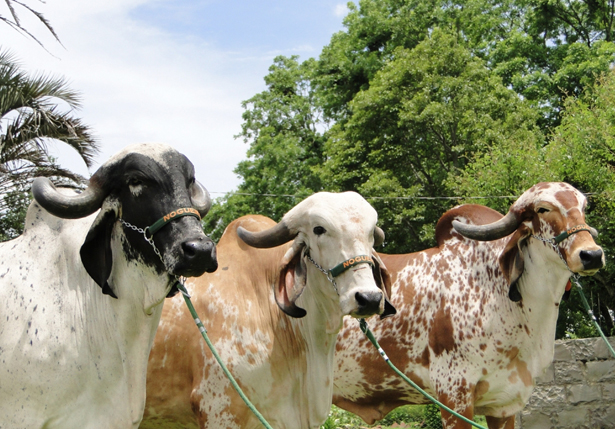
{"x": 543, "y": 210}
{"x": 135, "y": 181}
{"x": 319, "y": 230}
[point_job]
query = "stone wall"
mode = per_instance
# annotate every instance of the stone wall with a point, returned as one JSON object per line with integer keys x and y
{"x": 577, "y": 391}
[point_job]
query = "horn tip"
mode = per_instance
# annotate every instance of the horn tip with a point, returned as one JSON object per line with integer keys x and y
{"x": 458, "y": 226}
{"x": 242, "y": 233}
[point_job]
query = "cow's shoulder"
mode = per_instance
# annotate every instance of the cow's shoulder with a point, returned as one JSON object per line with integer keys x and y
{"x": 470, "y": 213}
{"x": 44, "y": 237}
{"x": 232, "y": 247}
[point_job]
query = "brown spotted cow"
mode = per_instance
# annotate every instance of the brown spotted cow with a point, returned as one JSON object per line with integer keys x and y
{"x": 283, "y": 360}
{"x": 476, "y": 319}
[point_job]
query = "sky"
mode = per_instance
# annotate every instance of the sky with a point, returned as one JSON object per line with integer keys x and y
{"x": 169, "y": 71}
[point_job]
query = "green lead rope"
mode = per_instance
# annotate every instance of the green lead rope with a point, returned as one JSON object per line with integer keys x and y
{"x": 203, "y": 331}
{"x": 370, "y": 336}
{"x": 365, "y": 329}
{"x": 591, "y": 314}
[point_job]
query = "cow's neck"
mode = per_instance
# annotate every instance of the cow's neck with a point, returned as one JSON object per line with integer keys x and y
{"x": 137, "y": 312}
{"x": 541, "y": 285}
{"x": 319, "y": 328}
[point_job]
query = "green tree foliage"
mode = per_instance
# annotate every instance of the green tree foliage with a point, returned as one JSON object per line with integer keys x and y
{"x": 35, "y": 111}
{"x": 425, "y": 114}
{"x": 543, "y": 49}
{"x": 433, "y": 418}
{"x": 416, "y": 101}
{"x": 284, "y": 129}
{"x": 12, "y": 219}
{"x": 581, "y": 151}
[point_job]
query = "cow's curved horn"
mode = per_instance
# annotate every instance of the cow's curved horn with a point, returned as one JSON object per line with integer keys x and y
{"x": 200, "y": 198}
{"x": 492, "y": 231}
{"x": 271, "y": 237}
{"x": 63, "y": 205}
{"x": 378, "y": 237}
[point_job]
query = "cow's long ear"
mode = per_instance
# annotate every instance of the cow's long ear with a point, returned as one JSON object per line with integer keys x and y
{"x": 96, "y": 253}
{"x": 292, "y": 281}
{"x": 383, "y": 281}
{"x": 511, "y": 261}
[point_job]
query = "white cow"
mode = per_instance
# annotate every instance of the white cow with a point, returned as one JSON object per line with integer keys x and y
{"x": 71, "y": 356}
{"x": 283, "y": 360}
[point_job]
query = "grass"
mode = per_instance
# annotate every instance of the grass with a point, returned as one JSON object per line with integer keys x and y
{"x": 407, "y": 417}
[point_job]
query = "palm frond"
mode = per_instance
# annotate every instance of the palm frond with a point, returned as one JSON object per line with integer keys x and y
{"x": 39, "y": 127}
{"x": 40, "y": 17}
{"x": 15, "y": 22}
{"x": 35, "y": 112}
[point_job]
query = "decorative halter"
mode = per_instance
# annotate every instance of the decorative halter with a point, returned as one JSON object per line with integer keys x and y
{"x": 340, "y": 268}
{"x": 149, "y": 231}
{"x": 578, "y": 228}
{"x": 564, "y": 235}
{"x": 561, "y": 237}
{"x": 176, "y": 214}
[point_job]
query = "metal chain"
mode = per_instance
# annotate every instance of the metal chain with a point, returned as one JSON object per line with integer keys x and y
{"x": 576, "y": 282}
{"x": 555, "y": 247}
{"x": 149, "y": 239}
{"x": 325, "y": 272}
{"x": 180, "y": 284}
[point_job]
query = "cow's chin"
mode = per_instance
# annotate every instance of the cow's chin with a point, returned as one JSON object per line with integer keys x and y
{"x": 588, "y": 272}
{"x": 361, "y": 315}
{"x": 189, "y": 268}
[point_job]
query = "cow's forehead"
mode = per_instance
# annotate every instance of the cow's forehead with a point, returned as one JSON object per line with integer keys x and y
{"x": 559, "y": 194}
{"x": 156, "y": 151}
{"x": 333, "y": 208}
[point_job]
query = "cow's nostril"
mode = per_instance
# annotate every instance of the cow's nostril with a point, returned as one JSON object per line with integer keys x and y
{"x": 197, "y": 248}
{"x": 369, "y": 302}
{"x": 199, "y": 255}
{"x": 190, "y": 248}
{"x": 591, "y": 259}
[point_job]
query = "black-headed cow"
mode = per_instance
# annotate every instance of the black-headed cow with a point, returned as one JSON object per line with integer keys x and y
{"x": 71, "y": 356}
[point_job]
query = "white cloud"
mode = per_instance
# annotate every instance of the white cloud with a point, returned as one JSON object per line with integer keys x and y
{"x": 141, "y": 84}
{"x": 341, "y": 10}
